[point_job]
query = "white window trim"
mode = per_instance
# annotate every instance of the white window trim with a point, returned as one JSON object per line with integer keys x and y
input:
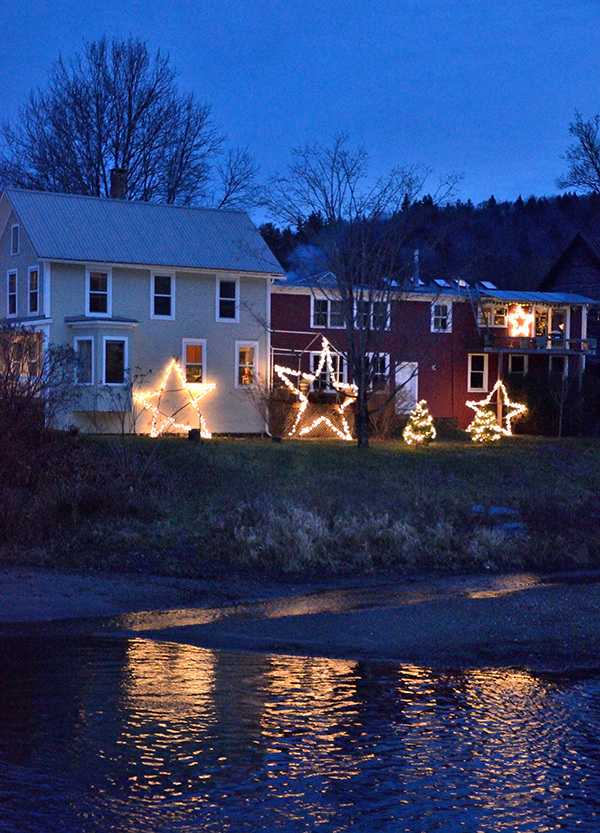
{"x": 344, "y": 376}
{"x": 485, "y": 387}
{"x": 370, "y": 302}
{"x": 235, "y": 280}
{"x": 441, "y": 303}
{"x": 385, "y": 356}
{"x": 153, "y": 277}
{"x": 9, "y": 294}
{"x": 238, "y": 345}
{"x": 312, "y": 313}
{"x": 108, "y": 272}
{"x": 491, "y": 307}
{"x": 105, "y": 340}
{"x": 14, "y": 251}
{"x": 202, "y": 343}
{"x": 75, "y": 341}
{"x": 406, "y": 381}
{"x": 525, "y": 358}
{"x": 387, "y": 314}
{"x": 29, "y": 271}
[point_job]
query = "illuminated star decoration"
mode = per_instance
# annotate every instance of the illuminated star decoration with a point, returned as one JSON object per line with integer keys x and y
{"x": 520, "y": 322}
{"x": 513, "y": 409}
{"x": 350, "y": 390}
{"x": 195, "y": 393}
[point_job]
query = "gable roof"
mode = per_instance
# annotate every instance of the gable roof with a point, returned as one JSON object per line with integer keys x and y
{"x": 578, "y": 245}
{"x": 94, "y": 229}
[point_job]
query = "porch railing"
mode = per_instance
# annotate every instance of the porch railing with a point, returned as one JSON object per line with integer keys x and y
{"x": 539, "y": 344}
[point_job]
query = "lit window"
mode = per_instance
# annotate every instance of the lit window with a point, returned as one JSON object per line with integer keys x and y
{"x": 193, "y": 352}
{"x": 227, "y": 302}
{"x": 84, "y": 353}
{"x": 24, "y": 354}
{"x": 441, "y": 318}
{"x": 162, "y": 296}
{"x": 478, "y": 372}
{"x": 246, "y": 364}
{"x": 98, "y": 294}
{"x": 11, "y": 293}
{"x": 115, "y": 359}
{"x": 34, "y": 291}
{"x": 14, "y": 240}
{"x": 493, "y": 316}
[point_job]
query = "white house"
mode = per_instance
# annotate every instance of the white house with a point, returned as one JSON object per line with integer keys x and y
{"x": 134, "y": 287}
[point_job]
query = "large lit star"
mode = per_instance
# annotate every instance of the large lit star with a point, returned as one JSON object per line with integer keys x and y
{"x": 513, "y": 409}
{"x": 342, "y": 430}
{"x": 520, "y": 322}
{"x": 166, "y": 411}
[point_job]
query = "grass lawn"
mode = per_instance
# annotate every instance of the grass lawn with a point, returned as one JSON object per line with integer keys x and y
{"x": 180, "y": 508}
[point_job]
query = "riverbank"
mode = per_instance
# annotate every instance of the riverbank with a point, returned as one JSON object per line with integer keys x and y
{"x": 546, "y": 624}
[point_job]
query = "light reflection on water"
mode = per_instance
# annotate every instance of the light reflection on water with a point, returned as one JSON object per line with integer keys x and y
{"x": 133, "y": 735}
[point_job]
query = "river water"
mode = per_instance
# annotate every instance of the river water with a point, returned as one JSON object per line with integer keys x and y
{"x": 107, "y": 733}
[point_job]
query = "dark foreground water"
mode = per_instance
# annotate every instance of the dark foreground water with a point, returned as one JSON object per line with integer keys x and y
{"x": 103, "y": 734}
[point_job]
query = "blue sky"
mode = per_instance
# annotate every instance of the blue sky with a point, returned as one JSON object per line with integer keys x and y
{"x": 462, "y": 86}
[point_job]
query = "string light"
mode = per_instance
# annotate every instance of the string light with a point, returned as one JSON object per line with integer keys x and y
{"x": 484, "y": 427}
{"x": 513, "y": 409}
{"x": 195, "y": 393}
{"x": 419, "y": 428}
{"x": 350, "y": 390}
{"x": 520, "y": 322}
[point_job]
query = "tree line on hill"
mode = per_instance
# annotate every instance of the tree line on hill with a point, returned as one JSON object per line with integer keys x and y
{"x": 511, "y": 244}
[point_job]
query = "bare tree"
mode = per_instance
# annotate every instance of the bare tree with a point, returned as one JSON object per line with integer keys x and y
{"x": 357, "y": 249}
{"x": 583, "y": 156}
{"x": 116, "y": 106}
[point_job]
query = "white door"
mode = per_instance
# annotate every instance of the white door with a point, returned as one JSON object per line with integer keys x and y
{"x": 407, "y": 386}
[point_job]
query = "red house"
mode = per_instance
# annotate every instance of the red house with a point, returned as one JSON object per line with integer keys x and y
{"x": 443, "y": 342}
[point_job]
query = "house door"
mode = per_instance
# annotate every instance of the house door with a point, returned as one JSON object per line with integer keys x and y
{"x": 407, "y": 386}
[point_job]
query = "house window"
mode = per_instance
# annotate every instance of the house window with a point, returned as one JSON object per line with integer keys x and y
{"x": 492, "y": 315}
{"x": 363, "y": 314}
{"x": 194, "y": 353}
{"x": 246, "y": 363}
{"x": 378, "y": 367}
{"x": 326, "y": 313}
{"x": 441, "y": 318}
{"x": 24, "y": 354}
{"x": 11, "y": 293}
{"x": 227, "y": 300}
{"x": 34, "y": 291}
{"x": 115, "y": 361}
{"x": 517, "y": 364}
{"x": 326, "y": 380}
{"x": 380, "y": 315}
{"x": 407, "y": 386}
{"x": 14, "y": 240}
{"x": 163, "y": 300}
{"x": 84, "y": 355}
{"x": 98, "y": 293}
{"x": 478, "y": 372}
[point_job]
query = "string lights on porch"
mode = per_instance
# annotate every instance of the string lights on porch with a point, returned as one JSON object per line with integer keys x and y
{"x": 286, "y": 374}
{"x": 151, "y": 401}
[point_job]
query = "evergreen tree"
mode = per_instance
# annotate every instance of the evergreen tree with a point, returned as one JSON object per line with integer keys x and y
{"x": 419, "y": 428}
{"x": 484, "y": 428}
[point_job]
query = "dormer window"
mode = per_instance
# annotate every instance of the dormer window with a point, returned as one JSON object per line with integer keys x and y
{"x": 15, "y": 236}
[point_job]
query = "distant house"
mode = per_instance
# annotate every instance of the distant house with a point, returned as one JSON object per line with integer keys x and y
{"x": 444, "y": 342}
{"x": 578, "y": 270}
{"x": 177, "y": 297}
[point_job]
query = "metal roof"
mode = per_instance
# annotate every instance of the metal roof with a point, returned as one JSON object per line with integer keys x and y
{"x": 98, "y": 230}
{"x": 519, "y": 297}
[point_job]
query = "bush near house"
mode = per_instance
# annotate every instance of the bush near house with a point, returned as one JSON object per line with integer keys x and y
{"x": 173, "y": 507}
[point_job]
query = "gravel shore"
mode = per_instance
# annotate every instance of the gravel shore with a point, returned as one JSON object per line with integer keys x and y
{"x": 543, "y": 623}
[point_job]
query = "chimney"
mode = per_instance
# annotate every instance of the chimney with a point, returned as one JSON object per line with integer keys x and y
{"x": 118, "y": 183}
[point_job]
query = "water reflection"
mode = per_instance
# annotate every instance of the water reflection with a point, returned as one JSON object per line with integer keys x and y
{"x": 133, "y": 735}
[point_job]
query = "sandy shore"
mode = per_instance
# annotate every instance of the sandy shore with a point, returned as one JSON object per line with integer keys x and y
{"x": 544, "y": 624}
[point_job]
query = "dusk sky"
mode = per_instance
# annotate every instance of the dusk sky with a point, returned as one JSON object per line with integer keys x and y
{"x": 460, "y": 85}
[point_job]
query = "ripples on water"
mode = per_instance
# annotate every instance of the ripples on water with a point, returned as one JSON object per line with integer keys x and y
{"x": 134, "y": 735}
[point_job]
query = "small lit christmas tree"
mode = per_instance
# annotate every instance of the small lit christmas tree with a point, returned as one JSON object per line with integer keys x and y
{"x": 485, "y": 428}
{"x": 419, "y": 428}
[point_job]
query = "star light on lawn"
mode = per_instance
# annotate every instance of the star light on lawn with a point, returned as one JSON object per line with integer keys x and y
{"x": 165, "y": 414}
{"x": 342, "y": 430}
{"x": 513, "y": 409}
{"x": 520, "y": 322}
